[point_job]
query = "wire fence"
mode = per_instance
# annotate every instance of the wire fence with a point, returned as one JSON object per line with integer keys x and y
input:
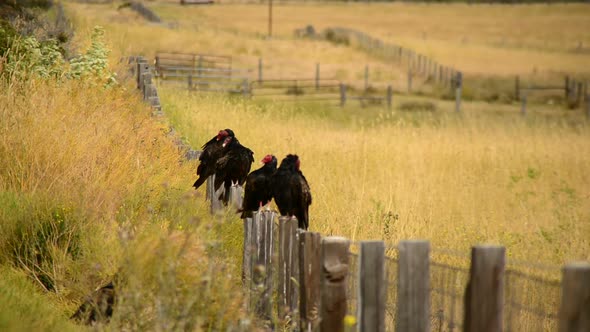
{"x": 531, "y": 297}
{"x": 449, "y": 274}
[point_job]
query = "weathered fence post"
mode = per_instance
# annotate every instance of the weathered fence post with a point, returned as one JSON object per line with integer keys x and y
{"x": 190, "y": 81}
{"x": 288, "y": 266}
{"x": 309, "y": 280}
{"x": 342, "y": 94}
{"x": 574, "y": 313}
{"x": 334, "y": 283}
{"x": 517, "y": 88}
{"x": 235, "y": 196}
{"x": 247, "y": 254}
{"x": 459, "y": 87}
{"x": 372, "y": 291}
{"x": 213, "y": 195}
{"x": 409, "y": 80}
{"x": 588, "y": 105}
{"x": 389, "y": 96}
{"x": 146, "y": 82}
{"x": 259, "y": 70}
{"x": 142, "y": 67}
{"x": 317, "y": 76}
{"x": 413, "y": 286}
{"x": 484, "y": 295}
{"x": 262, "y": 240}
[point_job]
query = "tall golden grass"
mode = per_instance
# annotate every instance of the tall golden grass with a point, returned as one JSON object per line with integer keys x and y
{"x": 487, "y": 175}
{"x": 454, "y": 179}
{"x": 91, "y": 186}
{"x": 490, "y": 44}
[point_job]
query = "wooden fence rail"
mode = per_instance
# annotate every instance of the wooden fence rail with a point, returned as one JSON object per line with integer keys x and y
{"x": 314, "y": 277}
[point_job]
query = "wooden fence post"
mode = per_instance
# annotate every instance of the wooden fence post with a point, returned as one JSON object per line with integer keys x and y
{"x": 372, "y": 291}
{"x": 142, "y": 67}
{"x": 213, "y": 195}
{"x": 235, "y": 196}
{"x": 413, "y": 286}
{"x": 389, "y": 96}
{"x": 574, "y": 313}
{"x": 309, "y": 280}
{"x": 484, "y": 295}
{"x": 247, "y": 254}
{"x": 262, "y": 240}
{"x": 409, "y": 80}
{"x": 333, "y": 305}
{"x": 459, "y": 87}
{"x": 288, "y": 265}
{"x": 342, "y": 94}
{"x": 146, "y": 82}
{"x": 190, "y": 81}
{"x": 588, "y": 105}
{"x": 317, "y": 76}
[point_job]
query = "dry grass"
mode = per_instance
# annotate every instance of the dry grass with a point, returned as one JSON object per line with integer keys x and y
{"x": 394, "y": 175}
{"x": 489, "y": 43}
{"x": 477, "y": 39}
{"x": 91, "y": 185}
{"x": 94, "y": 161}
{"x": 456, "y": 180}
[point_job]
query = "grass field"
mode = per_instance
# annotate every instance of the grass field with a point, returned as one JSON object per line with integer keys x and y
{"x": 92, "y": 186}
{"x": 490, "y": 44}
{"x": 477, "y": 39}
{"x": 485, "y": 176}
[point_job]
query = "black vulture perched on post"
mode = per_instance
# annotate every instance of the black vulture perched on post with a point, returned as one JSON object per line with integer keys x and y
{"x": 212, "y": 151}
{"x": 258, "y": 189}
{"x": 291, "y": 191}
{"x": 233, "y": 168}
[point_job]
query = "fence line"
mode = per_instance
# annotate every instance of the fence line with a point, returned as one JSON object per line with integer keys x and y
{"x": 367, "y": 286}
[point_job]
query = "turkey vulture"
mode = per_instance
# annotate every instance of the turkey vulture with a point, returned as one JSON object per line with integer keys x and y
{"x": 291, "y": 191}
{"x": 212, "y": 151}
{"x": 258, "y": 190}
{"x": 233, "y": 168}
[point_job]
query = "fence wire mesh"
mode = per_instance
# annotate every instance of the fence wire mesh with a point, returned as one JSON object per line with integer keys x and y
{"x": 531, "y": 297}
{"x": 449, "y": 273}
{"x": 391, "y": 260}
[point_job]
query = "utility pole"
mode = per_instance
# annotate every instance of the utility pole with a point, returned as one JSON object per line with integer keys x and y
{"x": 269, "y": 18}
